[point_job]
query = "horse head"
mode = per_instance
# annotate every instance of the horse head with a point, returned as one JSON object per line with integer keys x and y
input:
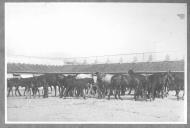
{"x": 131, "y": 72}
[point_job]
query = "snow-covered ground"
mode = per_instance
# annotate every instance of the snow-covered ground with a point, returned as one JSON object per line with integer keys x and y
{"x": 55, "y": 109}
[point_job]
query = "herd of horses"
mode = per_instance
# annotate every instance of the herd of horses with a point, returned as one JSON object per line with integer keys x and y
{"x": 100, "y": 85}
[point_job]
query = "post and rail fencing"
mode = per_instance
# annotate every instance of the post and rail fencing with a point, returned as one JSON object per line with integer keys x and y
{"x": 106, "y": 59}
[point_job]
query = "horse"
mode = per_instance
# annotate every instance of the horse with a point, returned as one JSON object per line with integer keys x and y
{"x": 103, "y": 84}
{"x": 115, "y": 86}
{"x": 109, "y": 84}
{"x": 52, "y": 80}
{"x": 75, "y": 86}
{"x": 175, "y": 81}
{"x": 139, "y": 83}
{"x": 13, "y": 82}
{"x": 93, "y": 87}
{"x": 155, "y": 85}
{"x": 127, "y": 83}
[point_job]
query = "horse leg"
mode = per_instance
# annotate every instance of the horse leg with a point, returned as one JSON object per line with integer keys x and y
{"x": 177, "y": 95}
{"x": 42, "y": 92}
{"x": 130, "y": 91}
{"x": 25, "y": 91}
{"x": 94, "y": 90}
{"x": 177, "y": 89}
{"x": 26, "y": 95}
{"x": 50, "y": 88}
{"x": 154, "y": 94}
{"x": 9, "y": 90}
{"x": 65, "y": 93}
{"x": 12, "y": 92}
{"x": 119, "y": 91}
{"x": 145, "y": 94}
{"x": 71, "y": 92}
{"x": 176, "y": 92}
{"x": 19, "y": 92}
{"x": 109, "y": 93}
{"x": 16, "y": 88}
{"x": 34, "y": 92}
{"x": 167, "y": 90}
{"x": 78, "y": 92}
{"x": 162, "y": 94}
{"x": 99, "y": 93}
{"x": 135, "y": 96}
{"x": 74, "y": 92}
{"x": 104, "y": 93}
{"x": 61, "y": 92}
{"x": 38, "y": 92}
{"x": 55, "y": 88}
{"x": 46, "y": 91}
{"x": 183, "y": 94}
{"x": 30, "y": 93}
{"x": 90, "y": 90}
{"x": 59, "y": 88}
{"x": 115, "y": 93}
{"x": 151, "y": 94}
{"x": 83, "y": 93}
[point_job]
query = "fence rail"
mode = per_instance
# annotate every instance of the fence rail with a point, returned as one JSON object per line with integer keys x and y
{"x": 106, "y": 59}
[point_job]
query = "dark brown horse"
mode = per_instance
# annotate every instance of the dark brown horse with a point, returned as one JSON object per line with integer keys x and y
{"x": 128, "y": 83}
{"x": 11, "y": 83}
{"x": 115, "y": 86}
{"x": 175, "y": 81}
{"x": 156, "y": 85}
{"x": 75, "y": 87}
{"x": 140, "y": 84}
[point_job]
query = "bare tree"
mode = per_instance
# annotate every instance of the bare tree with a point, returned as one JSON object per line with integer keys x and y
{"x": 150, "y": 58}
{"x": 85, "y": 62}
{"x": 167, "y": 58}
{"x": 134, "y": 59}
{"x": 96, "y": 61}
{"x": 107, "y": 61}
{"x": 121, "y": 60}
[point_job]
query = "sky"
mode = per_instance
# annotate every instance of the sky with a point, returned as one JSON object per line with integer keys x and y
{"x": 94, "y": 29}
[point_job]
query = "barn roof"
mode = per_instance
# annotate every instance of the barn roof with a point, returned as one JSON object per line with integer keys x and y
{"x": 110, "y": 68}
